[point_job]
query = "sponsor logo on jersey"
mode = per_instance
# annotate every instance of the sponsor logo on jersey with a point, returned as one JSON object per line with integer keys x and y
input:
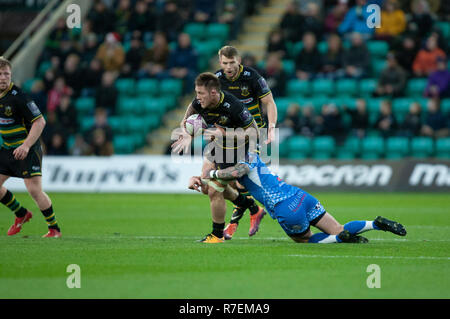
{"x": 226, "y": 105}
{"x": 33, "y": 108}
{"x": 247, "y": 73}
{"x": 233, "y": 88}
{"x": 14, "y": 92}
{"x": 245, "y": 115}
{"x": 247, "y": 101}
{"x": 6, "y": 121}
{"x": 223, "y": 120}
{"x": 263, "y": 84}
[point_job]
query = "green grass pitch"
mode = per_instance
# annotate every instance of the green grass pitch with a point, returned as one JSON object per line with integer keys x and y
{"x": 144, "y": 246}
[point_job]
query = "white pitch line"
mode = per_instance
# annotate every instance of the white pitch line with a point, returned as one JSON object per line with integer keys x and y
{"x": 376, "y": 257}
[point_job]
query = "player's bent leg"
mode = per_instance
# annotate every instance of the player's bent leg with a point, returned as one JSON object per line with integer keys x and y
{"x": 9, "y": 200}
{"x": 34, "y": 188}
{"x": 329, "y": 225}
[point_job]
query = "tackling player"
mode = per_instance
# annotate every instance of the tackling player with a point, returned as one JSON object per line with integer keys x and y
{"x": 251, "y": 88}
{"x": 293, "y": 208}
{"x": 21, "y": 125}
{"x": 222, "y": 110}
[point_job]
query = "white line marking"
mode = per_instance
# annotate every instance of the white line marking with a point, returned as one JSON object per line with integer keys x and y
{"x": 379, "y": 257}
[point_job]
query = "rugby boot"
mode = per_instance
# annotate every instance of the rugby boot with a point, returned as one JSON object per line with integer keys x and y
{"x": 255, "y": 220}
{"x": 229, "y": 231}
{"x": 18, "y": 223}
{"x": 52, "y": 233}
{"x": 389, "y": 225}
{"x": 211, "y": 239}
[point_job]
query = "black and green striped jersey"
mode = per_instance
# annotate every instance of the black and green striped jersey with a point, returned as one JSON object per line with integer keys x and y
{"x": 17, "y": 114}
{"x": 249, "y": 87}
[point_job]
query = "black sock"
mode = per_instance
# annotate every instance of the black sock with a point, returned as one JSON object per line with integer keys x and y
{"x": 218, "y": 229}
{"x": 10, "y": 201}
{"x": 245, "y": 202}
{"x": 50, "y": 218}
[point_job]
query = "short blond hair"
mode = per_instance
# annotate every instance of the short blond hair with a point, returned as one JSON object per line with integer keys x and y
{"x": 4, "y": 62}
{"x": 229, "y": 52}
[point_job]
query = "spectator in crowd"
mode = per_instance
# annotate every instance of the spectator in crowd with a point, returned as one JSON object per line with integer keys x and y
{"x": 356, "y": 59}
{"x": 66, "y": 115}
{"x": 436, "y": 124}
{"x": 439, "y": 81}
{"x": 122, "y": 16}
{"x": 392, "y": 79}
{"x": 51, "y": 128}
{"x": 275, "y": 76}
{"x": 412, "y": 123}
{"x": 311, "y": 21}
{"x": 135, "y": 54}
{"x": 290, "y": 22}
{"x": 356, "y": 21}
{"x": 426, "y": 60}
{"x": 155, "y": 59}
{"x": 359, "y": 118}
{"x": 143, "y": 18}
{"x": 39, "y": 96}
{"x": 329, "y": 122}
{"x": 52, "y": 43}
{"x": 276, "y": 43}
{"x": 49, "y": 80}
{"x": 249, "y": 60}
{"x": 106, "y": 94}
{"x": 421, "y": 21}
{"x": 54, "y": 95}
{"x": 336, "y": 16}
{"x": 183, "y": 61}
{"x": 101, "y": 17}
{"x": 99, "y": 145}
{"x": 79, "y": 147}
{"x": 205, "y": 11}
{"x": 307, "y": 122}
{"x": 308, "y": 61}
{"x": 406, "y": 53}
{"x": 100, "y": 123}
{"x": 292, "y": 119}
{"x": 171, "y": 21}
{"x": 66, "y": 48}
{"x": 386, "y": 122}
{"x": 393, "y": 21}
{"x": 331, "y": 66}
{"x": 92, "y": 76}
{"x": 57, "y": 145}
{"x": 73, "y": 73}
{"x": 111, "y": 53}
{"x": 90, "y": 47}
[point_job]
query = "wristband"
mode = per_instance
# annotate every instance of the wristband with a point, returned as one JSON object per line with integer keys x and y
{"x": 213, "y": 174}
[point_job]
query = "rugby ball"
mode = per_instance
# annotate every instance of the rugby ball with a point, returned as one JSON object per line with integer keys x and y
{"x": 195, "y": 124}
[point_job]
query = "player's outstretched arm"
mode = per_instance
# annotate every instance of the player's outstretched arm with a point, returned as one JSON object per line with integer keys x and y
{"x": 230, "y": 173}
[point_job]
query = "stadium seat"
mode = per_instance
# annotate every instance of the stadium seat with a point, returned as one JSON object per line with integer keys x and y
{"x": 422, "y": 147}
{"x": 443, "y": 148}
{"x": 125, "y": 86}
{"x": 295, "y": 48}
{"x": 322, "y": 46}
{"x": 322, "y": 86}
{"x": 377, "y": 66}
{"x": 445, "y": 28}
{"x": 299, "y": 147}
{"x": 367, "y": 87}
{"x": 116, "y": 124}
{"x": 323, "y": 147}
{"x": 377, "y": 49}
{"x": 345, "y": 155}
{"x": 85, "y": 105}
{"x": 171, "y": 87}
{"x": 400, "y": 107}
{"x": 298, "y": 88}
{"x": 218, "y": 31}
{"x": 147, "y": 87}
{"x": 195, "y": 30}
{"x": 86, "y": 123}
{"x": 351, "y": 145}
{"x": 373, "y": 105}
{"x": 43, "y": 67}
{"x": 123, "y": 144}
{"x": 127, "y": 106}
{"x": 28, "y": 84}
{"x": 154, "y": 107}
{"x": 397, "y": 147}
{"x": 346, "y": 87}
{"x": 416, "y": 87}
{"x": 445, "y": 106}
{"x": 372, "y": 147}
{"x": 289, "y": 67}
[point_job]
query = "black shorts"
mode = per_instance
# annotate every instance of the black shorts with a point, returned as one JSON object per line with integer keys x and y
{"x": 29, "y": 167}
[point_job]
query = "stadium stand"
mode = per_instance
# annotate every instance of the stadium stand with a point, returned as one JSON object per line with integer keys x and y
{"x": 147, "y": 91}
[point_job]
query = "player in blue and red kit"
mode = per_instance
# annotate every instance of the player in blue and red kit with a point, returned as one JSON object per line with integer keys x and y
{"x": 293, "y": 208}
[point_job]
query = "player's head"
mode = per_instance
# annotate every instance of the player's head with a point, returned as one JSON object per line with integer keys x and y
{"x": 5, "y": 73}
{"x": 207, "y": 89}
{"x": 230, "y": 61}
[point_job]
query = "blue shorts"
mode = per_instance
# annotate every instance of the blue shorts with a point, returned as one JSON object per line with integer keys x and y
{"x": 296, "y": 214}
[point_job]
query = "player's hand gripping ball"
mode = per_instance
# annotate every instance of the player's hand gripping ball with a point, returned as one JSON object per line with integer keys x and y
{"x": 195, "y": 124}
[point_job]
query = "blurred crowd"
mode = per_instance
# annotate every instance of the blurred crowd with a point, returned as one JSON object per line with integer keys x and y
{"x": 417, "y": 48}
{"x": 118, "y": 39}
